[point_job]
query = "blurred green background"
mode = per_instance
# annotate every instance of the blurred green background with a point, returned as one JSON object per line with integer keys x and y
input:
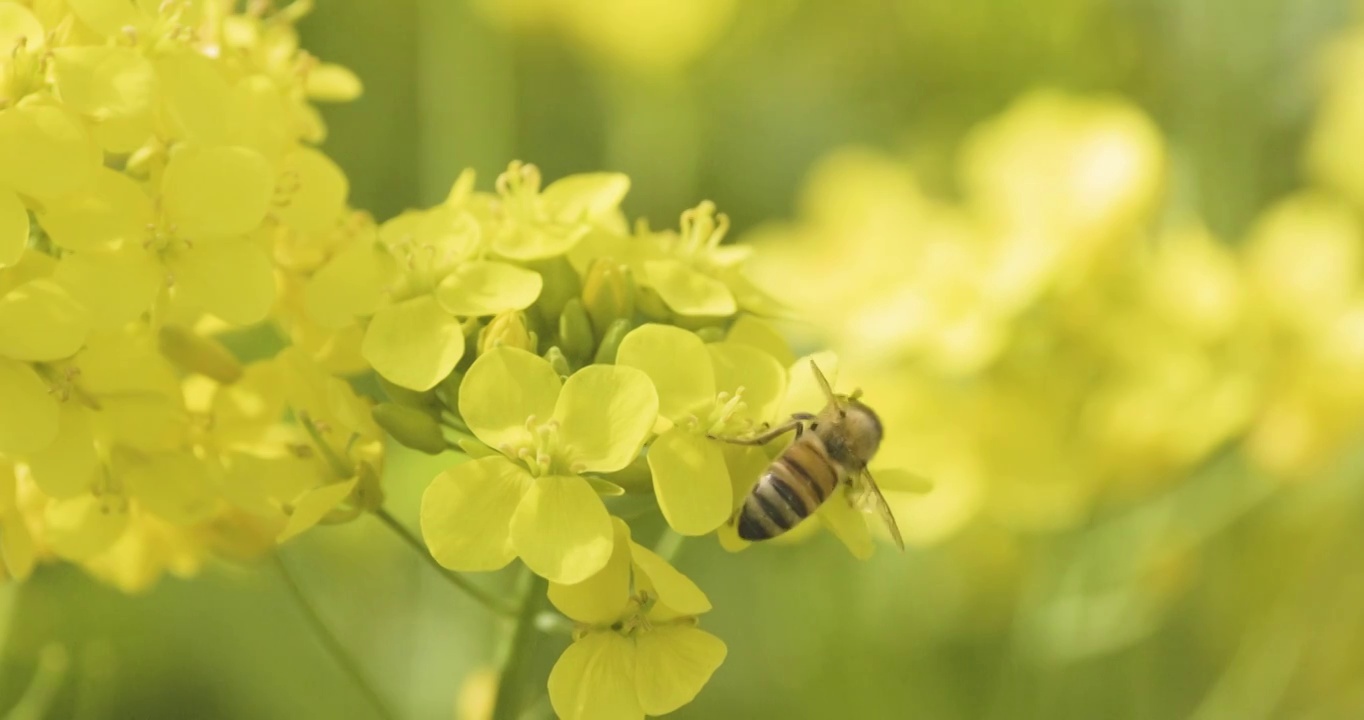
{"x": 1251, "y": 611}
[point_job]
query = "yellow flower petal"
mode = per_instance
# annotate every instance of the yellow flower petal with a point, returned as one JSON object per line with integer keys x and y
{"x": 687, "y": 291}
{"x": 148, "y": 423}
{"x": 116, "y": 287}
{"x": 485, "y": 287}
{"x": 216, "y": 192}
{"x": 673, "y": 663}
{"x": 674, "y": 589}
{"x": 66, "y": 467}
{"x": 414, "y": 343}
{"x": 467, "y": 511}
{"x": 177, "y": 487}
{"x": 111, "y": 207}
{"x": 104, "y": 81}
{"x": 595, "y": 680}
{"x": 502, "y": 389}
{"x": 758, "y": 373}
{"x": 691, "y": 481}
{"x": 319, "y": 190}
{"x": 196, "y": 99}
{"x": 848, "y": 525}
{"x": 47, "y": 151}
{"x": 107, "y": 17}
{"x": 232, "y": 279}
{"x": 18, "y": 23}
{"x": 600, "y": 599}
{"x": 585, "y": 196}
{"x": 39, "y": 321}
{"x": 676, "y": 361}
{"x": 351, "y": 284}
{"x": 13, "y": 228}
{"x": 605, "y": 413}
{"x": 561, "y": 529}
{"x": 314, "y": 505}
{"x": 754, "y": 332}
{"x": 82, "y": 527}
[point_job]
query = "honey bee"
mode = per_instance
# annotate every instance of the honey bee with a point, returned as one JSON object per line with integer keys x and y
{"x": 831, "y": 451}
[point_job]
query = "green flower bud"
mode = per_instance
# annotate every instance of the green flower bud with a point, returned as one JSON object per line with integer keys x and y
{"x": 509, "y": 329}
{"x": 426, "y": 402}
{"x": 652, "y": 305}
{"x": 556, "y": 359}
{"x": 199, "y": 354}
{"x": 561, "y": 284}
{"x": 606, "y": 351}
{"x": 608, "y": 294}
{"x": 411, "y": 427}
{"x": 575, "y": 332}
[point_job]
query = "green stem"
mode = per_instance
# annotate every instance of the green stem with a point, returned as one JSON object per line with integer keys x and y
{"x": 341, "y": 467}
{"x": 493, "y": 603}
{"x": 513, "y": 683}
{"x": 331, "y": 642}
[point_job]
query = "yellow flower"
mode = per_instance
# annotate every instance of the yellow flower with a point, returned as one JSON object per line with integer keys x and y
{"x": 638, "y": 651}
{"x": 531, "y": 499}
{"x": 706, "y": 392}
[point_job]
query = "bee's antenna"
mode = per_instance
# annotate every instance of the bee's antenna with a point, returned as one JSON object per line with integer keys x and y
{"x": 824, "y": 384}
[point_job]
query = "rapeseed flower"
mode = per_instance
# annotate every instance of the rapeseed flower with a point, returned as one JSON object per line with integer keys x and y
{"x": 637, "y": 650}
{"x": 531, "y": 499}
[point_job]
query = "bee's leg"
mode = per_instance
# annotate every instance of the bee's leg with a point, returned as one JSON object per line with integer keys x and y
{"x": 797, "y": 423}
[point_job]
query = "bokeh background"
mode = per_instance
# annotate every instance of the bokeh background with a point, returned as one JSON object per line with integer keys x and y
{"x": 1222, "y": 583}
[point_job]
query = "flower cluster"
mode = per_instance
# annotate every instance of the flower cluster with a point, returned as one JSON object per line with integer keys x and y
{"x": 1046, "y": 347}
{"x": 574, "y": 360}
{"x": 160, "y": 188}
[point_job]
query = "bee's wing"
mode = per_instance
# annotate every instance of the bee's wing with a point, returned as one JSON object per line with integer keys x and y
{"x": 870, "y": 499}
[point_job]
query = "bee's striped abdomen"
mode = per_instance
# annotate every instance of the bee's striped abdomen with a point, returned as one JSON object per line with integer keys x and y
{"x": 790, "y": 490}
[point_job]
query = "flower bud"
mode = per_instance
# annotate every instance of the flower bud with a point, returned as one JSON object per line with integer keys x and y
{"x": 575, "y": 332}
{"x": 556, "y": 359}
{"x": 561, "y": 284}
{"x": 652, "y": 305}
{"x": 411, "y": 427}
{"x": 608, "y": 294}
{"x": 507, "y": 329}
{"x": 199, "y": 354}
{"x": 426, "y": 402}
{"x": 606, "y": 352}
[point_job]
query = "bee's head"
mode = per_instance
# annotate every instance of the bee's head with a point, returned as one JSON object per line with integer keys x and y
{"x": 856, "y": 425}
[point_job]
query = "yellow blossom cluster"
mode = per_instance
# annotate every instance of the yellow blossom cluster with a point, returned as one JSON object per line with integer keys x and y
{"x": 160, "y": 187}
{"x": 1053, "y": 339}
